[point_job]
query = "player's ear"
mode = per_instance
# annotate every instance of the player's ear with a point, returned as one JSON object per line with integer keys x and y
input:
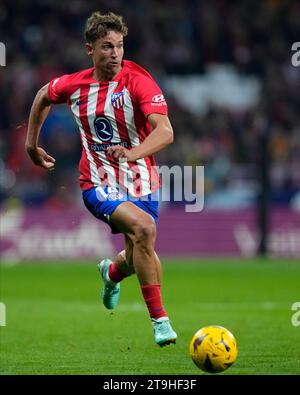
{"x": 89, "y": 49}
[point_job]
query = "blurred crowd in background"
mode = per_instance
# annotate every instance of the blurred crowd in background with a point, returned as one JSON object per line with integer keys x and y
{"x": 44, "y": 39}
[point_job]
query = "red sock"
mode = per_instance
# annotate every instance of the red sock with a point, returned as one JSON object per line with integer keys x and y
{"x": 152, "y": 296}
{"x": 115, "y": 273}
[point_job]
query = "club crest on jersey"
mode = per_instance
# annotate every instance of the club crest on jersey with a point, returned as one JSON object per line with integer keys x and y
{"x": 117, "y": 99}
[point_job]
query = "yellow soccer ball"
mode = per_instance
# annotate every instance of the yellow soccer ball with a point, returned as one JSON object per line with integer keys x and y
{"x": 213, "y": 349}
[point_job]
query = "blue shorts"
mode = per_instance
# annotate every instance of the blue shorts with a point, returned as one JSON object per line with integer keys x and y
{"x": 102, "y": 202}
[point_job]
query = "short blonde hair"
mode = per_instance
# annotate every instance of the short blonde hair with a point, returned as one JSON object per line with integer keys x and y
{"x": 98, "y": 25}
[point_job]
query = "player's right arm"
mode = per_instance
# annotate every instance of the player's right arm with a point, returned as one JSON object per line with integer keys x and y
{"x": 38, "y": 113}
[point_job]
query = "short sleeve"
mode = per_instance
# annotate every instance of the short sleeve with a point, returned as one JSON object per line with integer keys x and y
{"x": 150, "y": 97}
{"x": 57, "y": 89}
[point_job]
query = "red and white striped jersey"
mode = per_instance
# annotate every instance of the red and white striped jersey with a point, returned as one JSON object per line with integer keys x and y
{"x": 110, "y": 113}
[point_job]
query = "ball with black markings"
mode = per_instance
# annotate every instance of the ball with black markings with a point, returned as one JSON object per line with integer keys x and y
{"x": 213, "y": 349}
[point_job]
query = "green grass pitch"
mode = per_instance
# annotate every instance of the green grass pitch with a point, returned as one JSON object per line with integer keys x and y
{"x": 56, "y": 324}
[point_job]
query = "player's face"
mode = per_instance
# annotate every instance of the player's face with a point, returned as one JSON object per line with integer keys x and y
{"x": 107, "y": 53}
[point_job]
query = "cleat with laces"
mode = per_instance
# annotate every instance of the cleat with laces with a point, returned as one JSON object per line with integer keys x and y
{"x": 110, "y": 291}
{"x": 163, "y": 332}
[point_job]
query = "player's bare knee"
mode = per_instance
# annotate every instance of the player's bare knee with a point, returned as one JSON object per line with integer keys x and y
{"x": 144, "y": 232}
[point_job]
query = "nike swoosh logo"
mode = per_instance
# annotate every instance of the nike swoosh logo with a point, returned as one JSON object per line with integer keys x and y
{"x": 80, "y": 103}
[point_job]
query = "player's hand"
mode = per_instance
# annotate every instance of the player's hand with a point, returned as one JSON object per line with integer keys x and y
{"x": 40, "y": 158}
{"x": 120, "y": 153}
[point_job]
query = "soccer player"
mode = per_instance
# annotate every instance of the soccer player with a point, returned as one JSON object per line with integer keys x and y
{"x": 122, "y": 117}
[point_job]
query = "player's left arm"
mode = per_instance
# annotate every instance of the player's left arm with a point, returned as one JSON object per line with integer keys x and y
{"x": 158, "y": 139}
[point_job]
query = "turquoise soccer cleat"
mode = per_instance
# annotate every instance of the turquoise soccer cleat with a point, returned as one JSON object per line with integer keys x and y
{"x": 110, "y": 291}
{"x": 163, "y": 332}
